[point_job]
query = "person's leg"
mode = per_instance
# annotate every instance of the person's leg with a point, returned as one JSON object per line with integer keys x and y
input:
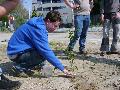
{"x": 78, "y": 21}
{"x": 27, "y": 61}
{"x": 105, "y": 40}
{"x": 116, "y": 36}
{"x": 83, "y": 35}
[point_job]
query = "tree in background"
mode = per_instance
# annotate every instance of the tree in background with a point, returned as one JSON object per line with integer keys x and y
{"x": 4, "y": 19}
{"x": 20, "y": 14}
{"x": 34, "y": 13}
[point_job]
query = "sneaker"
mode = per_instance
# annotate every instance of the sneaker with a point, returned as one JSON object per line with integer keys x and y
{"x": 21, "y": 73}
{"x": 104, "y": 52}
{"x": 82, "y": 51}
{"x": 115, "y": 52}
{"x": 7, "y": 84}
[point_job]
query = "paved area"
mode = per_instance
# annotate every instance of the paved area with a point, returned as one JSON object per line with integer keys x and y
{"x": 94, "y": 35}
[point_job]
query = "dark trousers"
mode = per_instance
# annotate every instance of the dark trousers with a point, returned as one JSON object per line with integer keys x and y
{"x": 29, "y": 60}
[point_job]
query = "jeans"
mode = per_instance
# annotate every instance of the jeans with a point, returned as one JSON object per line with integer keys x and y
{"x": 82, "y": 23}
{"x": 116, "y": 34}
{"x": 29, "y": 60}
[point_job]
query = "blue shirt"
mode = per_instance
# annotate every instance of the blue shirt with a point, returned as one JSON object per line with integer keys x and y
{"x": 30, "y": 35}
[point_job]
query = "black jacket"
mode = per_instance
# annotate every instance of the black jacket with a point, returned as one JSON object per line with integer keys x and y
{"x": 109, "y": 6}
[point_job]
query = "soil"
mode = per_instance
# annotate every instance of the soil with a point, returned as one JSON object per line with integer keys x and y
{"x": 94, "y": 72}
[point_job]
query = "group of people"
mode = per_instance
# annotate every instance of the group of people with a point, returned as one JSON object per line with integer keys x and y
{"x": 110, "y": 14}
{"x": 29, "y": 47}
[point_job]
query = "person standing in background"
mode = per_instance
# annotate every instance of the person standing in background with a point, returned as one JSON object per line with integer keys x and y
{"x": 11, "y": 22}
{"x": 81, "y": 10}
{"x": 110, "y": 14}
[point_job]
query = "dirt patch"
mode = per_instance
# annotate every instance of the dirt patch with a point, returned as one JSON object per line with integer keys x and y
{"x": 94, "y": 72}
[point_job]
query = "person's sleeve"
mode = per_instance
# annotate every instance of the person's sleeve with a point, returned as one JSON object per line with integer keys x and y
{"x": 40, "y": 42}
{"x": 91, "y": 4}
{"x": 101, "y": 6}
{"x": 119, "y": 5}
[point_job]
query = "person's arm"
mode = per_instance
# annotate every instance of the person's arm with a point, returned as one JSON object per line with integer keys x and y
{"x": 91, "y": 4}
{"x": 102, "y": 6}
{"x": 40, "y": 42}
{"x": 118, "y": 13}
{"x": 7, "y": 6}
{"x": 102, "y": 11}
{"x": 71, "y": 5}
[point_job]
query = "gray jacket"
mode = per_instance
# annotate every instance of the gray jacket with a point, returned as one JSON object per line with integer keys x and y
{"x": 110, "y": 6}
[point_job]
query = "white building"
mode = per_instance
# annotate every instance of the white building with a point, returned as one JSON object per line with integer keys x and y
{"x": 44, "y": 6}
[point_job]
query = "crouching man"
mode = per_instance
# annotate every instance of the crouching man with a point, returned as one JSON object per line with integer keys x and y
{"x": 29, "y": 46}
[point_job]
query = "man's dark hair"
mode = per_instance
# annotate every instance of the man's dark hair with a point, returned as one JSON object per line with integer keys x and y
{"x": 53, "y": 16}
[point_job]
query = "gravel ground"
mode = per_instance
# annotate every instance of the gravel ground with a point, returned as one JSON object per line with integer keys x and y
{"x": 94, "y": 72}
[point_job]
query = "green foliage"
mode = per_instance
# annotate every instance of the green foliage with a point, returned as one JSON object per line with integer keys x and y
{"x": 4, "y": 19}
{"x": 2, "y": 1}
{"x": 4, "y": 24}
{"x": 58, "y": 46}
{"x": 20, "y": 14}
{"x": 34, "y": 13}
{"x": 19, "y": 21}
{"x": 70, "y": 35}
{"x": 70, "y": 54}
{"x": 71, "y": 57}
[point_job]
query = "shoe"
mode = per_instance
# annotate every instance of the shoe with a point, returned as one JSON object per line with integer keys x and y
{"x": 115, "y": 52}
{"x": 81, "y": 52}
{"x": 23, "y": 73}
{"x": 104, "y": 52}
{"x": 7, "y": 84}
{"x": 108, "y": 53}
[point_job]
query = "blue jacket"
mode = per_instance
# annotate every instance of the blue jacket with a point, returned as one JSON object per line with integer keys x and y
{"x": 33, "y": 34}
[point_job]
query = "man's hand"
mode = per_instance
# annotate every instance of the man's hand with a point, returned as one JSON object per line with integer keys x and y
{"x": 118, "y": 15}
{"x": 68, "y": 73}
{"x": 74, "y": 6}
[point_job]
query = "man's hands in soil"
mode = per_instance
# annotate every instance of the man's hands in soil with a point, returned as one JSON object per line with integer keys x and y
{"x": 68, "y": 73}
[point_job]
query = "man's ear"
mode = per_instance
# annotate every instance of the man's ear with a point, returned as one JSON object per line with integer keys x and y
{"x": 48, "y": 20}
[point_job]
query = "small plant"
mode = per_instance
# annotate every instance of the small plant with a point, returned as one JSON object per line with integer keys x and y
{"x": 70, "y": 54}
{"x": 71, "y": 57}
{"x": 58, "y": 46}
{"x": 70, "y": 34}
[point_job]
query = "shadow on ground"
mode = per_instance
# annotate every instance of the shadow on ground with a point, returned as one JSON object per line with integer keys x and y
{"x": 89, "y": 57}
